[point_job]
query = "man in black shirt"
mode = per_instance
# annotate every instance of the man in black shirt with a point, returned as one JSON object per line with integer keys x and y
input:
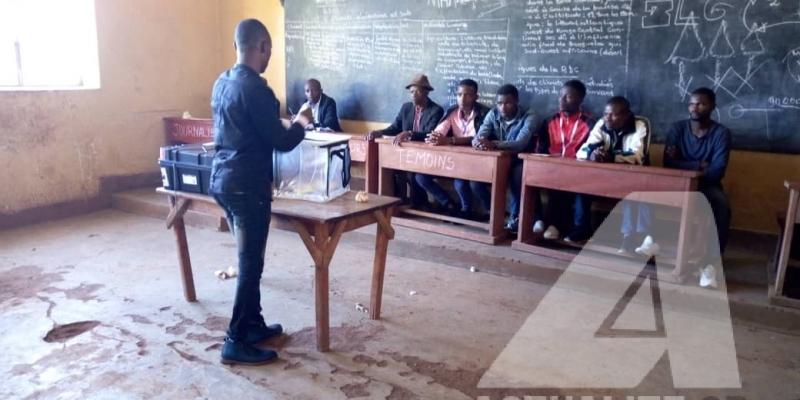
{"x": 702, "y": 144}
{"x": 246, "y": 131}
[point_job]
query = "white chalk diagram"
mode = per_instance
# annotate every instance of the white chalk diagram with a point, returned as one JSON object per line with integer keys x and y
{"x": 728, "y": 78}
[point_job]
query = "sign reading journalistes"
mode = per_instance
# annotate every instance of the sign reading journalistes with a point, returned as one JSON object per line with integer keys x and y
{"x": 188, "y": 130}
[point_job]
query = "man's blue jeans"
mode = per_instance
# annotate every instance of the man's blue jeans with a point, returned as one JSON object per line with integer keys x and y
{"x": 643, "y": 221}
{"x": 248, "y": 218}
{"x": 463, "y": 189}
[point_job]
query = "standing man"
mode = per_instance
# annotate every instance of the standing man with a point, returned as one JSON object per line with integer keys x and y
{"x": 702, "y": 144}
{"x": 458, "y": 128}
{"x": 415, "y": 120}
{"x": 322, "y": 107}
{"x": 507, "y": 127}
{"x": 562, "y": 135}
{"x": 247, "y": 130}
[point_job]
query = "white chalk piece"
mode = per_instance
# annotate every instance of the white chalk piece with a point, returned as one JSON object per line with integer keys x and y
{"x": 412, "y": 293}
{"x": 473, "y": 269}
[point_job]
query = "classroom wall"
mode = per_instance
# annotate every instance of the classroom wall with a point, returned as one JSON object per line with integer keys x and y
{"x": 157, "y": 58}
{"x": 161, "y": 58}
{"x": 754, "y": 180}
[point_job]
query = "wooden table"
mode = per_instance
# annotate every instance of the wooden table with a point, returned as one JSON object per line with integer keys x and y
{"x": 462, "y": 162}
{"x": 776, "y": 293}
{"x": 320, "y": 225}
{"x": 607, "y": 180}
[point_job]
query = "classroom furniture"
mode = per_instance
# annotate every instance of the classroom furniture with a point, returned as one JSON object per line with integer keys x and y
{"x": 607, "y": 180}
{"x": 461, "y": 162}
{"x": 320, "y": 225}
{"x": 777, "y": 293}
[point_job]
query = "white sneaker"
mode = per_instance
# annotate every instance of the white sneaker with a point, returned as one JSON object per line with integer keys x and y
{"x": 538, "y": 227}
{"x": 551, "y": 233}
{"x": 708, "y": 277}
{"x": 649, "y": 247}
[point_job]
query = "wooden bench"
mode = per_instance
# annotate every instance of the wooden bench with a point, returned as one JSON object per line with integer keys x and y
{"x": 462, "y": 162}
{"x": 607, "y": 180}
{"x": 320, "y": 225}
{"x": 777, "y": 293}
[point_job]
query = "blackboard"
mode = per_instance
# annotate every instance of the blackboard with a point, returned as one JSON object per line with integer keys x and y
{"x": 652, "y": 51}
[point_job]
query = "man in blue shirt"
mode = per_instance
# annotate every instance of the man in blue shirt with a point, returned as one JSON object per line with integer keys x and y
{"x": 507, "y": 127}
{"x": 702, "y": 144}
{"x": 246, "y": 131}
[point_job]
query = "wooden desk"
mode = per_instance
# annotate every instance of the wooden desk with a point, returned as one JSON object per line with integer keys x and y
{"x": 367, "y": 153}
{"x": 461, "y": 162}
{"x": 320, "y": 225}
{"x": 607, "y": 180}
{"x": 776, "y": 293}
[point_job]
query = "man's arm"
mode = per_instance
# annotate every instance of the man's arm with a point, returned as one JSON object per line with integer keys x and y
{"x": 593, "y": 142}
{"x": 672, "y": 154}
{"x": 718, "y": 163}
{"x": 331, "y": 117}
{"x": 264, "y": 114}
{"x": 522, "y": 140}
{"x": 486, "y": 131}
{"x": 635, "y": 153}
{"x": 429, "y": 125}
{"x": 396, "y": 126}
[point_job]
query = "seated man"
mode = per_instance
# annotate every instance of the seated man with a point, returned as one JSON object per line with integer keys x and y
{"x": 622, "y": 138}
{"x": 322, "y": 106}
{"x": 415, "y": 119}
{"x": 562, "y": 135}
{"x": 507, "y": 127}
{"x": 702, "y": 144}
{"x": 458, "y": 127}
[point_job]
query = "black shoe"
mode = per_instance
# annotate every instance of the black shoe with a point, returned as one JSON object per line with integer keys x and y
{"x": 512, "y": 225}
{"x": 261, "y": 332}
{"x": 245, "y": 354}
{"x": 576, "y": 237}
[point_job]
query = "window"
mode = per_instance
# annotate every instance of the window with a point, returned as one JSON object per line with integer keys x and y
{"x": 48, "y": 44}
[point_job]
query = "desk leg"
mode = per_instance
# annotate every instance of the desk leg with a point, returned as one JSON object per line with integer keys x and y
{"x": 786, "y": 244}
{"x": 683, "y": 251}
{"x": 498, "y": 200}
{"x": 326, "y": 242}
{"x": 379, "y": 266}
{"x": 371, "y": 167}
{"x": 176, "y": 221}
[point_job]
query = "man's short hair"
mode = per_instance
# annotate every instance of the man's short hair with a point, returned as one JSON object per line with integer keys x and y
{"x": 707, "y": 92}
{"x": 577, "y": 85}
{"x": 469, "y": 83}
{"x": 619, "y": 100}
{"x": 249, "y": 33}
{"x": 508, "y": 89}
{"x": 315, "y": 83}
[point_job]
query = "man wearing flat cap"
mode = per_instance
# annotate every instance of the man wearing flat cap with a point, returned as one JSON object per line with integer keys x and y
{"x": 415, "y": 120}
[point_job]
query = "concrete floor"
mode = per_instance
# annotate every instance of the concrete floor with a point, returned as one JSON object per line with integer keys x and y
{"x": 115, "y": 274}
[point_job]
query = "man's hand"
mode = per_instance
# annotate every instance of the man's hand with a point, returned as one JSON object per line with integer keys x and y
{"x": 598, "y": 155}
{"x": 304, "y": 117}
{"x": 372, "y": 136}
{"x": 436, "y": 139}
{"x": 671, "y": 152}
{"x": 401, "y": 137}
{"x": 484, "y": 144}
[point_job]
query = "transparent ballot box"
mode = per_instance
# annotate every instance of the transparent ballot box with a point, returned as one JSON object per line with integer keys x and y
{"x": 318, "y": 169}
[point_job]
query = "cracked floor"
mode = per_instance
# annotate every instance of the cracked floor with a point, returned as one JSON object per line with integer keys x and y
{"x": 92, "y": 308}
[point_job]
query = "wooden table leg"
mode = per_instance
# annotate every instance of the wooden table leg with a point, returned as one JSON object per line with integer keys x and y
{"x": 786, "y": 244}
{"x": 526, "y": 211}
{"x": 379, "y": 264}
{"x": 683, "y": 251}
{"x": 176, "y": 222}
{"x": 498, "y": 198}
{"x": 326, "y": 242}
